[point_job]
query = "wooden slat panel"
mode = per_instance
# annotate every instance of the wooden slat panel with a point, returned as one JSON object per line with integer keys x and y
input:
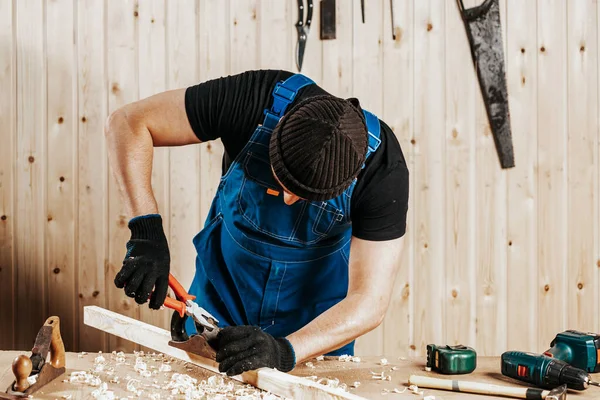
{"x": 398, "y": 94}
{"x": 213, "y": 48}
{"x": 367, "y": 87}
{"x": 521, "y": 69}
{"x": 461, "y": 86}
{"x": 244, "y": 35}
{"x": 122, "y": 89}
{"x": 151, "y": 80}
{"x": 275, "y": 49}
{"x": 337, "y": 53}
{"x": 30, "y": 219}
{"x": 93, "y": 169}
{"x": 491, "y": 242}
{"x": 582, "y": 108}
{"x": 185, "y": 161}
{"x": 429, "y": 112}
{"x": 61, "y": 171}
{"x": 7, "y": 185}
{"x": 552, "y": 153}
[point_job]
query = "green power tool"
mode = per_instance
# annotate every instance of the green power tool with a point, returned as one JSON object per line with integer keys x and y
{"x": 543, "y": 371}
{"x": 451, "y": 360}
{"x": 579, "y": 349}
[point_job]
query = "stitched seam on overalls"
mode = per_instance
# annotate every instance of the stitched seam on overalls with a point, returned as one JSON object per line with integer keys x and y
{"x": 271, "y": 258}
{"x": 318, "y": 219}
{"x": 243, "y": 152}
{"x": 344, "y": 255}
{"x": 278, "y": 293}
{"x": 295, "y": 228}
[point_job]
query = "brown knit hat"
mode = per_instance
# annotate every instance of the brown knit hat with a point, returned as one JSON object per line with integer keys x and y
{"x": 319, "y": 147}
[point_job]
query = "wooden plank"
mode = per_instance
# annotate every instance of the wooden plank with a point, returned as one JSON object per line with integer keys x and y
{"x": 185, "y": 161}
{"x": 582, "y": 109}
{"x": 7, "y": 185}
{"x": 122, "y": 89}
{"x": 367, "y": 86}
{"x": 398, "y": 93}
{"x": 30, "y": 218}
{"x": 521, "y": 70}
{"x": 275, "y": 30}
{"x": 151, "y": 80}
{"x": 61, "y": 171}
{"x": 244, "y": 35}
{"x": 491, "y": 242}
{"x": 461, "y": 87}
{"x": 214, "y": 56}
{"x": 91, "y": 240}
{"x": 156, "y": 338}
{"x": 551, "y": 172}
{"x": 337, "y": 54}
{"x": 429, "y": 143}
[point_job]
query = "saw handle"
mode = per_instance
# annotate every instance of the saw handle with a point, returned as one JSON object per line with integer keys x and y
{"x": 471, "y": 387}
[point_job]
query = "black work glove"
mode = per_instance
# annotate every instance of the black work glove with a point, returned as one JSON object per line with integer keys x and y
{"x": 245, "y": 348}
{"x": 147, "y": 262}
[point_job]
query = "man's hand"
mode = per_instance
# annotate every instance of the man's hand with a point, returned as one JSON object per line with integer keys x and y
{"x": 147, "y": 262}
{"x": 245, "y": 348}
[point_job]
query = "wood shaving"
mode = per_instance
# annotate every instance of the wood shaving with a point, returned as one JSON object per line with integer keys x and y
{"x": 345, "y": 358}
{"x": 356, "y": 359}
{"x": 310, "y": 365}
{"x": 429, "y": 398}
{"x": 383, "y": 361}
{"x": 385, "y": 391}
{"x": 320, "y": 358}
{"x": 394, "y": 368}
{"x": 67, "y": 396}
{"x": 102, "y": 393}
{"x": 355, "y": 384}
{"x": 312, "y": 378}
{"x": 131, "y": 386}
{"x": 85, "y": 378}
{"x": 164, "y": 367}
{"x": 381, "y": 376}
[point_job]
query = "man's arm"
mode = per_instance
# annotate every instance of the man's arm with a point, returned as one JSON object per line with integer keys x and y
{"x": 373, "y": 269}
{"x": 131, "y": 133}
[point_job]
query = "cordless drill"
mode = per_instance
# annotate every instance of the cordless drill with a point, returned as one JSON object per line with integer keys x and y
{"x": 543, "y": 371}
{"x": 579, "y": 349}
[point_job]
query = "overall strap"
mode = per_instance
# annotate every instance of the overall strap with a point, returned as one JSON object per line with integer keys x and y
{"x": 374, "y": 133}
{"x": 283, "y": 95}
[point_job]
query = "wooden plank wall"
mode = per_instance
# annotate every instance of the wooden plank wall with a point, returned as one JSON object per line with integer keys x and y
{"x": 493, "y": 259}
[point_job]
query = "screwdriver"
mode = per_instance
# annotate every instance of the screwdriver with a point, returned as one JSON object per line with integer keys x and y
{"x": 544, "y": 371}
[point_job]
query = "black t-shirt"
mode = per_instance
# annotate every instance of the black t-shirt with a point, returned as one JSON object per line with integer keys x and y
{"x": 232, "y": 107}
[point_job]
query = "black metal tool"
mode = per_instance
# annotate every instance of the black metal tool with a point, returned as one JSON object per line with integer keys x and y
{"x": 327, "y": 19}
{"x": 393, "y": 22}
{"x": 303, "y": 29}
{"x": 484, "y": 32}
{"x": 362, "y": 10}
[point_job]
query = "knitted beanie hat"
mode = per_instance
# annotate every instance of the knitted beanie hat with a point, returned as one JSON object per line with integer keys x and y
{"x": 319, "y": 147}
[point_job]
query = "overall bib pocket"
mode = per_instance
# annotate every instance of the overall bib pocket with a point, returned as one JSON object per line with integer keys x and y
{"x": 260, "y": 201}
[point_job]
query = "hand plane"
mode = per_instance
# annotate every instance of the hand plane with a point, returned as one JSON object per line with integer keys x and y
{"x": 34, "y": 372}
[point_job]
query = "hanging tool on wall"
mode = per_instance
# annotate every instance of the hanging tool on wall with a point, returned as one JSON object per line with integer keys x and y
{"x": 34, "y": 372}
{"x": 303, "y": 29}
{"x": 327, "y": 19}
{"x": 393, "y": 22}
{"x": 484, "y": 32}
{"x": 362, "y": 10}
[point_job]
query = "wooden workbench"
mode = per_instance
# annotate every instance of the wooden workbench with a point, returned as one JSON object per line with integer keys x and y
{"x": 346, "y": 372}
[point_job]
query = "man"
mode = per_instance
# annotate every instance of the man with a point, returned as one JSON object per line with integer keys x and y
{"x": 301, "y": 246}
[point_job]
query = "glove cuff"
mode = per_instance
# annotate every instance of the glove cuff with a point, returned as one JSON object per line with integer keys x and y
{"x": 148, "y": 227}
{"x": 287, "y": 355}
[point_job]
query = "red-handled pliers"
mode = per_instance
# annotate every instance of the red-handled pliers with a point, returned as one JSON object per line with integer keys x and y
{"x": 185, "y": 305}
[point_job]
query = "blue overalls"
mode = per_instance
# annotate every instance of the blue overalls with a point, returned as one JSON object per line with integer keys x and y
{"x": 261, "y": 262}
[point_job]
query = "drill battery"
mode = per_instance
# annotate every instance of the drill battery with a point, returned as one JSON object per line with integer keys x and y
{"x": 579, "y": 349}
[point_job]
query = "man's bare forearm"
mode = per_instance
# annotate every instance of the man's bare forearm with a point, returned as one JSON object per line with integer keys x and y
{"x": 352, "y": 317}
{"x": 130, "y": 152}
